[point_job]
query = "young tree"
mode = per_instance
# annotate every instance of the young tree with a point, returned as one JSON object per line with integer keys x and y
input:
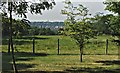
{"x": 20, "y": 8}
{"x": 79, "y": 29}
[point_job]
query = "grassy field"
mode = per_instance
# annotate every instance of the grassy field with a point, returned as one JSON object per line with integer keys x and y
{"x": 47, "y": 60}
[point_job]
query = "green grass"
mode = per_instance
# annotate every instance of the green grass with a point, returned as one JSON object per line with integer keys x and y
{"x": 46, "y": 58}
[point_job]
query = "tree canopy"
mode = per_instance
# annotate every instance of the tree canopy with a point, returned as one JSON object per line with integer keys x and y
{"x": 115, "y": 19}
{"x": 21, "y": 7}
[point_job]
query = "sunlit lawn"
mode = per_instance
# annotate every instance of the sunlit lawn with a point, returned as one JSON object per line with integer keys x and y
{"x": 46, "y": 58}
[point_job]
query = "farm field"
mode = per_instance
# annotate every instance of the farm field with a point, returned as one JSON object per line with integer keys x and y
{"x": 46, "y": 59}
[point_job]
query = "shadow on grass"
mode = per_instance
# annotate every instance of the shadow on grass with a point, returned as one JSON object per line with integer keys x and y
{"x": 108, "y": 62}
{"x": 43, "y": 72}
{"x": 29, "y": 54}
{"x": 92, "y": 70}
{"x": 117, "y": 41}
{"x": 20, "y": 66}
{"x": 23, "y": 66}
{"x": 77, "y": 70}
{"x": 23, "y": 59}
{"x": 20, "y": 56}
{"x": 6, "y": 59}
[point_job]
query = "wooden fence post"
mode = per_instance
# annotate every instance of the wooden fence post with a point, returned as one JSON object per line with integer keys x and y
{"x": 33, "y": 45}
{"x": 106, "y": 50}
{"x": 58, "y": 46}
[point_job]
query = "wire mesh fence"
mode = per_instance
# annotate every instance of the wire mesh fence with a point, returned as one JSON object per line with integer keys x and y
{"x": 67, "y": 45}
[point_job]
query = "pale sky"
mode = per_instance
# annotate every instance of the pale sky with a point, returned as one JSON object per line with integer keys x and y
{"x": 93, "y": 6}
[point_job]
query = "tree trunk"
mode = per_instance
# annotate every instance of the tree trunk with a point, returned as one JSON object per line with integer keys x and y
{"x": 81, "y": 52}
{"x": 9, "y": 45}
{"x": 11, "y": 41}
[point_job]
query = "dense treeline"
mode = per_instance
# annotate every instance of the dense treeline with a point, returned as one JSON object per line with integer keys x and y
{"x": 42, "y": 31}
{"x": 23, "y": 27}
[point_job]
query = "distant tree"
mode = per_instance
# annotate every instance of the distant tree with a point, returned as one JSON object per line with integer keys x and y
{"x": 79, "y": 29}
{"x": 20, "y": 8}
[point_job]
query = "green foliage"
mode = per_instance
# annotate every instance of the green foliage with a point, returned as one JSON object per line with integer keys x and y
{"x": 113, "y": 6}
{"x": 114, "y": 25}
{"x": 22, "y": 7}
{"x": 101, "y": 24}
{"x": 79, "y": 29}
{"x": 19, "y": 27}
{"x": 5, "y": 27}
{"x": 42, "y": 31}
{"x": 115, "y": 20}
